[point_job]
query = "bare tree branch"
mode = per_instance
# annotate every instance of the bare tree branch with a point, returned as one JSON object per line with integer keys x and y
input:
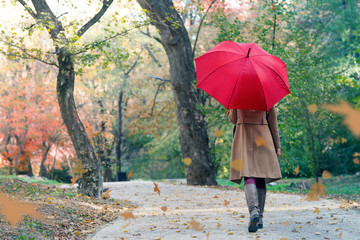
{"x": 134, "y": 64}
{"x": 95, "y": 19}
{"x": 28, "y": 9}
{"x": 147, "y": 33}
{"x": 201, "y": 22}
{"x": 151, "y": 54}
{"x": 154, "y": 102}
{"x": 159, "y": 78}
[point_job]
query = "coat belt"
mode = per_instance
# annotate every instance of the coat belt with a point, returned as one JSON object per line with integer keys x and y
{"x": 252, "y": 121}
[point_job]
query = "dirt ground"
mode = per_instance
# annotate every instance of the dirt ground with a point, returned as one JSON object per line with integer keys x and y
{"x": 222, "y": 214}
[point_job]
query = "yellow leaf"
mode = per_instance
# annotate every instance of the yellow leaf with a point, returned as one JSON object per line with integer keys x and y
{"x": 230, "y": 233}
{"x": 326, "y": 175}
{"x": 187, "y": 161}
{"x": 312, "y": 108}
{"x": 261, "y": 141}
{"x": 218, "y": 133}
{"x": 237, "y": 164}
{"x": 352, "y": 116}
{"x": 316, "y": 211}
{"x": 196, "y": 225}
{"x": 316, "y": 190}
{"x": 356, "y": 160}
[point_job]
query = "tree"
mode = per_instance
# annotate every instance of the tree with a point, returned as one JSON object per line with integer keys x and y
{"x": 192, "y": 126}
{"x": 91, "y": 181}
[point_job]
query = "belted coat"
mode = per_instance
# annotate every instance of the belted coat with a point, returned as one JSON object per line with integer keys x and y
{"x": 255, "y": 142}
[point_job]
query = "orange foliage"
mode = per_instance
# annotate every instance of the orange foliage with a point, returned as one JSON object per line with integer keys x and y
{"x": 28, "y": 105}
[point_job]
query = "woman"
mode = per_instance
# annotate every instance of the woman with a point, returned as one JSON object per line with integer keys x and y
{"x": 254, "y": 157}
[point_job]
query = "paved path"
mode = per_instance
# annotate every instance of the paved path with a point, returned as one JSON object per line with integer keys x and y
{"x": 287, "y": 216}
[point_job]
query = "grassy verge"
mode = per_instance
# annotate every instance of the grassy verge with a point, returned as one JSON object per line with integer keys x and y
{"x": 67, "y": 214}
{"x": 345, "y": 187}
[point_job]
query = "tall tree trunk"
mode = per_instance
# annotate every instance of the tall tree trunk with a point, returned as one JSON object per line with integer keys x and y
{"x": 21, "y": 146}
{"x": 91, "y": 181}
{"x": 119, "y": 136}
{"x": 192, "y": 127}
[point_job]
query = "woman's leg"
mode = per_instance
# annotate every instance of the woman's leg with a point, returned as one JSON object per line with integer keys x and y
{"x": 261, "y": 190}
{"x": 252, "y": 202}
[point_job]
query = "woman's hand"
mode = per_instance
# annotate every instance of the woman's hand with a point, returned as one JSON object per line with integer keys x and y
{"x": 278, "y": 152}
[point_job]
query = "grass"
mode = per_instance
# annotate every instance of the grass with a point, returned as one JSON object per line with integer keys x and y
{"x": 346, "y": 187}
{"x": 30, "y": 180}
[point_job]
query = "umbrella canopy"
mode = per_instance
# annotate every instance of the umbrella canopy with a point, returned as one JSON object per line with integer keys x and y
{"x": 242, "y": 76}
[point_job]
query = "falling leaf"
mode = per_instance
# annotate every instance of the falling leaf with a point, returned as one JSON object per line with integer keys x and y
{"x": 237, "y": 164}
{"x": 343, "y": 140}
{"x": 316, "y": 211}
{"x": 127, "y": 215}
{"x": 196, "y": 225}
{"x": 130, "y": 174}
{"x": 286, "y": 223}
{"x": 340, "y": 235}
{"x": 261, "y": 141}
{"x": 352, "y": 116}
{"x": 356, "y": 160}
{"x": 156, "y": 188}
{"x": 356, "y": 154}
{"x": 316, "y": 190}
{"x": 73, "y": 180}
{"x": 13, "y": 211}
{"x": 326, "y": 175}
{"x": 164, "y": 208}
{"x": 312, "y": 108}
{"x": 79, "y": 169}
{"x": 296, "y": 170}
{"x": 187, "y": 161}
{"x": 106, "y": 194}
{"x": 226, "y": 202}
{"x": 218, "y": 133}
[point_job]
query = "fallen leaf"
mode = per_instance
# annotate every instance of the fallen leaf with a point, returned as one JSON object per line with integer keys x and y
{"x": 284, "y": 239}
{"x": 352, "y": 116}
{"x": 326, "y": 175}
{"x": 340, "y": 234}
{"x": 130, "y": 174}
{"x": 286, "y": 223}
{"x": 196, "y": 225}
{"x": 230, "y": 233}
{"x": 316, "y": 211}
{"x": 261, "y": 141}
{"x": 207, "y": 235}
{"x": 13, "y": 210}
{"x": 237, "y": 164}
{"x": 218, "y": 133}
{"x": 73, "y": 180}
{"x": 215, "y": 196}
{"x": 106, "y": 194}
{"x": 127, "y": 215}
{"x": 156, "y": 188}
{"x": 312, "y": 108}
{"x": 187, "y": 161}
{"x": 164, "y": 208}
{"x": 356, "y": 160}
{"x": 218, "y": 225}
{"x": 226, "y": 202}
{"x": 296, "y": 170}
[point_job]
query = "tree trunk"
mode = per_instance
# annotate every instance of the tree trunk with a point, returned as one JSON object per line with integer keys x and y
{"x": 192, "y": 127}
{"x": 42, "y": 172}
{"x": 91, "y": 181}
{"x": 118, "y": 137}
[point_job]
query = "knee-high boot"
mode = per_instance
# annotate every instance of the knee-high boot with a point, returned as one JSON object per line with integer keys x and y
{"x": 253, "y": 205}
{"x": 261, "y": 199}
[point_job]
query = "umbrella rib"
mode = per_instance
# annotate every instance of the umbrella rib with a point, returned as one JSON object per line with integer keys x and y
{"x": 218, "y": 68}
{"x": 237, "y": 80}
{"x": 272, "y": 70}
{"x": 261, "y": 87}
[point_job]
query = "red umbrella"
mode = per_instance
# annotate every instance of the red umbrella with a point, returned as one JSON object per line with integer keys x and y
{"x": 242, "y": 76}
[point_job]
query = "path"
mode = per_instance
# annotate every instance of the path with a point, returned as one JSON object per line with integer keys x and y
{"x": 286, "y": 216}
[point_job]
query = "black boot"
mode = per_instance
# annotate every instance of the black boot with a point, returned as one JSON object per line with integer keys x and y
{"x": 253, "y": 205}
{"x": 261, "y": 199}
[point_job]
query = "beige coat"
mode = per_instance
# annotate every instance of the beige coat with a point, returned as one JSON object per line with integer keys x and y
{"x": 255, "y": 141}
